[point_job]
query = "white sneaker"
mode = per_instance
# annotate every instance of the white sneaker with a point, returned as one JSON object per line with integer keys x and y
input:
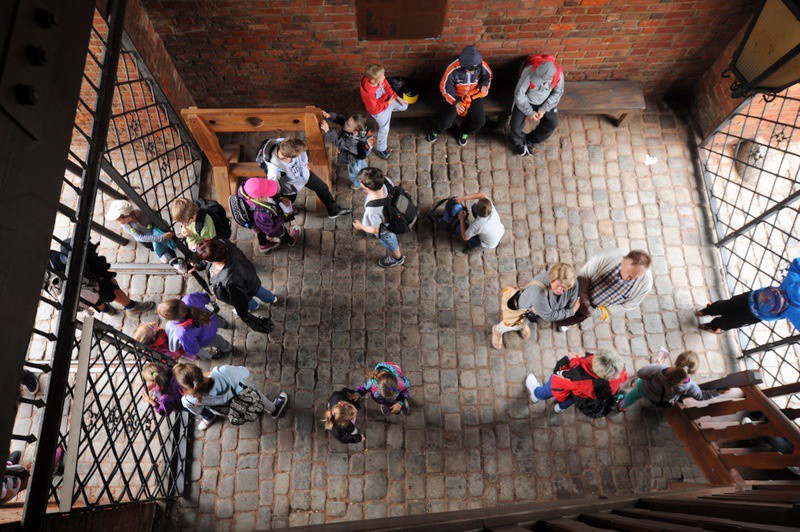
{"x": 204, "y": 424}
{"x": 531, "y": 383}
{"x": 558, "y": 409}
{"x": 563, "y": 328}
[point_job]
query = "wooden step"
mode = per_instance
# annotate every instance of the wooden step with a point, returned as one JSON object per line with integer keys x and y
{"x": 750, "y": 512}
{"x": 629, "y": 524}
{"x": 565, "y": 525}
{"x": 707, "y": 523}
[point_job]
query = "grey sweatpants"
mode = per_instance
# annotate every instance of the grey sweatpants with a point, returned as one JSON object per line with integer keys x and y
{"x": 383, "y": 119}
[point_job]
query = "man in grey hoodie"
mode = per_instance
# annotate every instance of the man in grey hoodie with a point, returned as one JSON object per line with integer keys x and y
{"x": 537, "y": 94}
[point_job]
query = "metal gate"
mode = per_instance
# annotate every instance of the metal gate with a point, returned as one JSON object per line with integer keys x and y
{"x": 751, "y": 167}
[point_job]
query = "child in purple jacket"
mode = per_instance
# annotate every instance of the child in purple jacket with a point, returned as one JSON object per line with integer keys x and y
{"x": 388, "y": 387}
{"x": 192, "y": 327}
{"x": 163, "y": 392}
{"x": 268, "y": 216}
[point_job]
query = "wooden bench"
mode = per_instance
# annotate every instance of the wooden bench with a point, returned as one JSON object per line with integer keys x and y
{"x": 614, "y": 99}
{"x": 206, "y": 123}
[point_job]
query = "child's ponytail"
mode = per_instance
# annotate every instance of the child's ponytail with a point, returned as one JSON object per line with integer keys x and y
{"x": 685, "y": 364}
{"x": 192, "y": 380}
{"x": 177, "y": 310}
{"x": 328, "y": 419}
{"x": 339, "y": 414}
{"x": 156, "y": 373}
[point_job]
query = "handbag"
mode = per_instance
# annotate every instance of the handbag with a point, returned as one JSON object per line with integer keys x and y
{"x": 516, "y": 316}
{"x": 258, "y": 323}
{"x": 246, "y": 406}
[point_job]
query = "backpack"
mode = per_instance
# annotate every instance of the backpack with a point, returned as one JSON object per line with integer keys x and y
{"x": 54, "y": 283}
{"x": 222, "y": 224}
{"x": 365, "y": 145}
{"x": 243, "y": 213}
{"x": 534, "y": 60}
{"x": 448, "y": 220}
{"x": 399, "y": 211}
{"x": 603, "y": 402}
{"x": 246, "y": 406}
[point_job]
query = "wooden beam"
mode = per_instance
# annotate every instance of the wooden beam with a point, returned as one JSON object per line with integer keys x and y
{"x": 222, "y": 185}
{"x": 703, "y": 453}
{"x": 748, "y": 431}
{"x": 722, "y": 408}
{"x": 760, "y": 460}
{"x": 205, "y": 138}
{"x": 247, "y": 170}
{"x": 317, "y": 154}
{"x": 786, "y": 428}
{"x": 786, "y": 389}
{"x": 763, "y": 513}
{"x": 254, "y": 120}
{"x": 630, "y": 524}
{"x": 734, "y": 380}
{"x": 708, "y": 523}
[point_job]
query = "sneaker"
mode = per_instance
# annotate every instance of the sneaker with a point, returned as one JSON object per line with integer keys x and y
{"x": 269, "y": 246}
{"x": 620, "y": 406}
{"x": 390, "y": 262}
{"x": 141, "y": 306}
{"x": 383, "y": 154}
{"x": 30, "y": 382}
{"x": 205, "y": 423}
{"x": 385, "y": 410}
{"x": 563, "y": 328}
{"x": 222, "y": 323}
{"x": 280, "y": 405}
{"x": 221, "y": 354}
{"x": 531, "y": 383}
{"x": 522, "y": 150}
{"x": 180, "y": 265}
{"x": 432, "y": 136}
{"x": 108, "y": 310}
{"x": 341, "y": 212}
{"x": 296, "y": 233}
{"x": 531, "y": 147}
{"x": 15, "y": 457}
{"x": 497, "y": 338}
{"x": 558, "y": 408}
{"x": 462, "y": 139}
{"x": 708, "y": 328}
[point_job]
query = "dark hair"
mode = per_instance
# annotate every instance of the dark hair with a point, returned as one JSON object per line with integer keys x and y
{"x": 639, "y": 258}
{"x": 192, "y": 380}
{"x": 361, "y": 122}
{"x": 212, "y": 251}
{"x": 371, "y": 178}
{"x": 483, "y": 208}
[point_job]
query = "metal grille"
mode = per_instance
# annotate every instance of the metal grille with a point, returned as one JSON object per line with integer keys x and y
{"x": 751, "y": 167}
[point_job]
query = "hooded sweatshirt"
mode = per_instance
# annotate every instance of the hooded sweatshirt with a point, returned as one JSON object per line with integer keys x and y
{"x": 377, "y": 98}
{"x": 543, "y": 96}
{"x": 269, "y": 221}
{"x": 186, "y": 334}
{"x": 169, "y": 399}
{"x": 228, "y": 380}
{"x": 347, "y": 143}
{"x": 764, "y": 308}
{"x": 547, "y": 305}
{"x": 563, "y": 388}
{"x": 657, "y": 388}
{"x": 458, "y": 83}
{"x": 237, "y": 282}
{"x": 345, "y": 433}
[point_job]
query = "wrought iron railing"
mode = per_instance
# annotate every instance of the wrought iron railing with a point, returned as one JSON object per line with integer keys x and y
{"x": 751, "y": 166}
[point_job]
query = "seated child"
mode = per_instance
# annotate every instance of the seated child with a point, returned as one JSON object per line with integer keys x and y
{"x": 353, "y": 140}
{"x": 486, "y": 231}
{"x": 268, "y": 217}
{"x": 340, "y": 417}
{"x": 388, "y": 387}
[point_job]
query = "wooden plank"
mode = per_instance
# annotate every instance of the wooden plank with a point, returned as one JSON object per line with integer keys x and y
{"x": 565, "y": 525}
{"x": 704, "y": 455}
{"x": 748, "y": 431}
{"x": 252, "y": 120}
{"x": 773, "y": 496}
{"x": 764, "y": 513}
{"x": 248, "y": 169}
{"x": 734, "y": 380}
{"x": 233, "y": 153}
{"x": 707, "y": 523}
{"x": 779, "y": 485}
{"x": 630, "y": 524}
{"x": 760, "y": 460}
{"x": 722, "y": 408}
{"x": 787, "y": 428}
{"x": 222, "y": 185}
{"x": 205, "y": 138}
{"x": 317, "y": 154}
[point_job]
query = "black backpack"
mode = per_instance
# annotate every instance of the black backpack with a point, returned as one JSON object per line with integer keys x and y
{"x": 399, "y": 211}
{"x": 448, "y": 219}
{"x": 221, "y": 222}
{"x": 603, "y": 402}
{"x": 244, "y": 214}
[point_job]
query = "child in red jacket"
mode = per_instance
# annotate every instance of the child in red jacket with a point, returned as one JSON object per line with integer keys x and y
{"x": 591, "y": 381}
{"x": 380, "y": 101}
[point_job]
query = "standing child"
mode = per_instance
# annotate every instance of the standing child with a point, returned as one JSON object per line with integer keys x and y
{"x": 268, "y": 219}
{"x": 340, "y": 417}
{"x": 155, "y": 337}
{"x": 388, "y": 387}
{"x": 487, "y": 230}
{"x": 381, "y": 101}
{"x": 145, "y": 233}
{"x": 375, "y": 185}
{"x": 353, "y": 140}
{"x": 215, "y": 390}
{"x": 193, "y": 328}
{"x": 200, "y": 220}
{"x": 665, "y": 385}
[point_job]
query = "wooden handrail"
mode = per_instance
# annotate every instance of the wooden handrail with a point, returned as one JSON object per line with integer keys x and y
{"x": 734, "y": 380}
{"x": 786, "y": 389}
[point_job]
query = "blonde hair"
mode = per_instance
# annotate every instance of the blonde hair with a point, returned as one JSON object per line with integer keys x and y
{"x": 564, "y": 273}
{"x": 157, "y": 374}
{"x": 339, "y": 414}
{"x": 292, "y": 147}
{"x": 685, "y": 364}
{"x": 607, "y": 364}
{"x": 375, "y": 71}
{"x": 175, "y": 309}
{"x": 183, "y": 209}
{"x": 192, "y": 380}
{"x": 144, "y": 334}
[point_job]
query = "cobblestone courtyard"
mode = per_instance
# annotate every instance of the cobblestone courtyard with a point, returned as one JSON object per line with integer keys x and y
{"x": 472, "y": 438}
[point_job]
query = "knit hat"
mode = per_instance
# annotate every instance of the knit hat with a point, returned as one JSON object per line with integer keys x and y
{"x": 258, "y": 187}
{"x": 543, "y": 73}
{"x": 470, "y": 57}
{"x": 118, "y": 208}
{"x": 772, "y": 301}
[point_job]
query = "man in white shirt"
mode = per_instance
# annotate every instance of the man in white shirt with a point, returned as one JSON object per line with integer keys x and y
{"x": 486, "y": 230}
{"x": 286, "y": 161}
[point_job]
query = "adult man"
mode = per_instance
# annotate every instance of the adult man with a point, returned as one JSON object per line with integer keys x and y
{"x": 611, "y": 279}
{"x": 465, "y": 82}
{"x": 286, "y": 161}
{"x": 540, "y": 87}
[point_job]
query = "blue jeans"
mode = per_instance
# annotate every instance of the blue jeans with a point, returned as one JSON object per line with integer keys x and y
{"x": 264, "y": 295}
{"x": 636, "y": 393}
{"x": 544, "y": 392}
{"x": 388, "y": 240}
{"x": 353, "y": 169}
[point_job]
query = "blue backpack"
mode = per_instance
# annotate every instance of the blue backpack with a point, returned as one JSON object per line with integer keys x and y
{"x": 447, "y": 219}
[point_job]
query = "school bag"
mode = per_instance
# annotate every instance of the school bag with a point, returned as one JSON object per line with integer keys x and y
{"x": 54, "y": 282}
{"x": 448, "y": 219}
{"x": 399, "y": 211}
{"x": 217, "y": 213}
{"x": 534, "y": 60}
{"x": 246, "y": 406}
{"x": 244, "y": 214}
{"x": 365, "y": 144}
{"x": 603, "y": 402}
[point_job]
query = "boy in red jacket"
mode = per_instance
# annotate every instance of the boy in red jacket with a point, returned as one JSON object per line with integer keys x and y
{"x": 578, "y": 378}
{"x": 380, "y": 101}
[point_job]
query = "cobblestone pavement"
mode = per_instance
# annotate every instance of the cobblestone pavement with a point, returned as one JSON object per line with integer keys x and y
{"x": 472, "y": 438}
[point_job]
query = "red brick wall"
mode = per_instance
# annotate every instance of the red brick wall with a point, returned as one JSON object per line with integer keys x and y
{"x": 259, "y": 52}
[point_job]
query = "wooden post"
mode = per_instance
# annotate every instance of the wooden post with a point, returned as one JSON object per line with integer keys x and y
{"x": 317, "y": 156}
{"x": 209, "y": 143}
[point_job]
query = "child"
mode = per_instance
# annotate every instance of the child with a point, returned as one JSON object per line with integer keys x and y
{"x": 286, "y": 161}
{"x": 487, "y": 229}
{"x": 340, "y": 417}
{"x": 215, "y": 390}
{"x": 155, "y": 338}
{"x": 381, "y": 101}
{"x": 665, "y": 385}
{"x": 201, "y": 220}
{"x": 374, "y": 183}
{"x": 353, "y": 141}
{"x": 388, "y": 387}
{"x": 151, "y": 237}
{"x": 268, "y": 218}
{"x": 193, "y": 328}
{"x": 163, "y": 393}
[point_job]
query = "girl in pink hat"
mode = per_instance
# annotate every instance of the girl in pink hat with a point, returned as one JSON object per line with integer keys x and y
{"x": 269, "y": 219}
